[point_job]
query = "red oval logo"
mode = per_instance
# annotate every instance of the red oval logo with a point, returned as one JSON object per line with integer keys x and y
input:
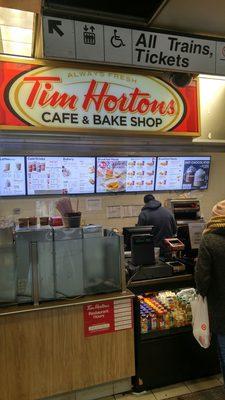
{"x": 74, "y": 98}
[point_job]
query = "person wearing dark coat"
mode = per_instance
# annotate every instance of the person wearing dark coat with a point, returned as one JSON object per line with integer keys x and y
{"x": 210, "y": 275}
{"x": 153, "y": 213}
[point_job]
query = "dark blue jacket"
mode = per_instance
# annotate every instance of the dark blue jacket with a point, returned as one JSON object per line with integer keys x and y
{"x": 165, "y": 225}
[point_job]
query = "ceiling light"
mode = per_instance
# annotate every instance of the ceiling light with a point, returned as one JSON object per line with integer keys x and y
{"x": 16, "y": 32}
{"x": 205, "y": 76}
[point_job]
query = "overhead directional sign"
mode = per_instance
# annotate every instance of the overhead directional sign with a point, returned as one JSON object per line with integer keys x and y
{"x": 53, "y": 25}
{"x": 173, "y": 52}
{"x": 85, "y": 41}
{"x": 220, "y": 58}
{"x": 59, "y": 38}
{"x": 89, "y": 41}
{"x": 117, "y": 45}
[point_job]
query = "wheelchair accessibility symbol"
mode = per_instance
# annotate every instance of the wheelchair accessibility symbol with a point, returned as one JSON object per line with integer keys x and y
{"x": 116, "y": 40}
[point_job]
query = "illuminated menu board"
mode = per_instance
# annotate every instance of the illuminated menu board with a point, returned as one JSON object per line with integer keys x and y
{"x": 182, "y": 173}
{"x": 12, "y": 172}
{"x": 125, "y": 174}
{"x": 60, "y": 175}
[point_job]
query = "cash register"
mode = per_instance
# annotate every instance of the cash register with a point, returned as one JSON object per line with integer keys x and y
{"x": 140, "y": 261}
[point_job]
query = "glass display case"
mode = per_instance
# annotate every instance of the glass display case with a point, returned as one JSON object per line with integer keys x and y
{"x": 87, "y": 261}
{"x": 45, "y": 263}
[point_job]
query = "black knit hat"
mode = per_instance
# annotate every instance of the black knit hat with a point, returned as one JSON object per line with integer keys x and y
{"x": 148, "y": 197}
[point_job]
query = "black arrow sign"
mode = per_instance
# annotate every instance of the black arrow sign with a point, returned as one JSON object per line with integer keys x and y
{"x": 53, "y": 26}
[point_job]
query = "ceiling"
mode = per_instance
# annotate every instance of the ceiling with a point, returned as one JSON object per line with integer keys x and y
{"x": 16, "y": 32}
{"x": 205, "y": 17}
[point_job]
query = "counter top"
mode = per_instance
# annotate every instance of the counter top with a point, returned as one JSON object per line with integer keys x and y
{"x": 80, "y": 300}
{"x": 159, "y": 281}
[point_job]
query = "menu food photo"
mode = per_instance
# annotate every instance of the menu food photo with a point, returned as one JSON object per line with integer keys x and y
{"x": 125, "y": 174}
{"x": 12, "y": 170}
{"x": 60, "y": 175}
{"x": 182, "y": 173}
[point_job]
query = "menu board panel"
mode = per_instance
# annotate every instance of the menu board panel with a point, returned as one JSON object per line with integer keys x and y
{"x": 125, "y": 174}
{"x": 60, "y": 175}
{"x": 182, "y": 173}
{"x": 12, "y": 172}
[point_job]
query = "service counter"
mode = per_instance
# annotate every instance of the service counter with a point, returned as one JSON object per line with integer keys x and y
{"x": 46, "y": 349}
{"x": 66, "y": 319}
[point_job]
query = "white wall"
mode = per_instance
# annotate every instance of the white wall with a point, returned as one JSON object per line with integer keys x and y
{"x": 215, "y": 192}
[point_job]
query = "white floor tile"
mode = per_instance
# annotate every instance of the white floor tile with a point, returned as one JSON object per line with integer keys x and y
{"x": 145, "y": 396}
{"x": 122, "y": 386}
{"x": 170, "y": 391}
{"x": 219, "y": 377}
{"x": 221, "y": 380}
{"x": 202, "y": 384}
{"x": 68, "y": 396}
{"x": 107, "y": 398}
{"x": 96, "y": 392}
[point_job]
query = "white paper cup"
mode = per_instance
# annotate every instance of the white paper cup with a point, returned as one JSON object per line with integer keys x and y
{"x": 157, "y": 253}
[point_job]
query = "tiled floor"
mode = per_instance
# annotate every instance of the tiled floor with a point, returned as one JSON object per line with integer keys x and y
{"x": 201, "y": 389}
{"x": 210, "y": 388}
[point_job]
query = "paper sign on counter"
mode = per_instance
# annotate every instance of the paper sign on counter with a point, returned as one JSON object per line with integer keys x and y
{"x": 195, "y": 232}
{"x": 107, "y": 316}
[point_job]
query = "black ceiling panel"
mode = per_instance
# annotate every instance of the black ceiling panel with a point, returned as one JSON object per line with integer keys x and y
{"x": 139, "y": 12}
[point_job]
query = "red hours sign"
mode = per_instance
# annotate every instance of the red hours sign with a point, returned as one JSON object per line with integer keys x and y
{"x": 39, "y": 97}
{"x": 107, "y": 316}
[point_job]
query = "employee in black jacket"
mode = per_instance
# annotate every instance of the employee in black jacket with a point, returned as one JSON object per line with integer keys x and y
{"x": 154, "y": 214}
{"x": 210, "y": 274}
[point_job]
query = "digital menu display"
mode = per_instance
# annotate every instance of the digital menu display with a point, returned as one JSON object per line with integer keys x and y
{"x": 60, "y": 175}
{"x": 125, "y": 174}
{"x": 12, "y": 172}
{"x": 182, "y": 173}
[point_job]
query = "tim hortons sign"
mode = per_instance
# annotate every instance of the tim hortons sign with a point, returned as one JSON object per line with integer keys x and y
{"x": 62, "y": 98}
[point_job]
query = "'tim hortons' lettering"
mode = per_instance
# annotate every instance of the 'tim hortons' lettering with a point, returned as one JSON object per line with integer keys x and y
{"x": 44, "y": 93}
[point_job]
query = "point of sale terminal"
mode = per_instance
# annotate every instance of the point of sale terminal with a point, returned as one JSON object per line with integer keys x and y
{"x": 180, "y": 252}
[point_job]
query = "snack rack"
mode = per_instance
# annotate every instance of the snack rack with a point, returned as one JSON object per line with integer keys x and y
{"x": 166, "y": 351}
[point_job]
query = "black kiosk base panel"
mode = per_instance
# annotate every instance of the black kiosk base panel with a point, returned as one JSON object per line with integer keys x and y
{"x": 173, "y": 358}
{"x": 173, "y": 355}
